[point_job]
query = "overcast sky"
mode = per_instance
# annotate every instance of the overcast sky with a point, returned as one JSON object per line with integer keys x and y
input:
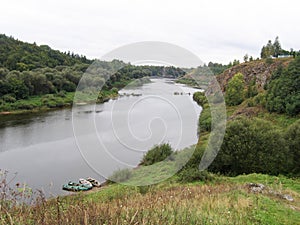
{"x": 217, "y": 31}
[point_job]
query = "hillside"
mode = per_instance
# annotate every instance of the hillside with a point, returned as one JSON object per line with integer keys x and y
{"x": 260, "y": 71}
{"x": 34, "y": 78}
{"x": 19, "y": 55}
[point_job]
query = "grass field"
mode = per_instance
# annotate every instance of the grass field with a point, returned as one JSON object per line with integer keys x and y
{"x": 225, "y": 200}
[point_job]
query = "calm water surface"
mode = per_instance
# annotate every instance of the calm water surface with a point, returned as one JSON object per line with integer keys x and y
{"x": 48, "y": 149}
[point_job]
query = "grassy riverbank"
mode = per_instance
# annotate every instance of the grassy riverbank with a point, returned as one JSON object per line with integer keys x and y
{"x": 223, "y": 200}
{"x": 63, "y": 99}
{"x": 49, "y": 102}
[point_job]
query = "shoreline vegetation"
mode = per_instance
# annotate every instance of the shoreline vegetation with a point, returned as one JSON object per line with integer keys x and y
{"x": 36, "y": 77}
{"x": 36, "y": 104}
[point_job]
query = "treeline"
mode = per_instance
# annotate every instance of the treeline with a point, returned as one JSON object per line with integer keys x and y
{"x": 28, "y": 70}
{"x": 274, "y": 49}
{"x": 20, "y": 85}
{"x": 15, "y": 85}
{"x": 200, "y": 76}
{"x": 22, "y": 56}
{"x": 218, "y": 68}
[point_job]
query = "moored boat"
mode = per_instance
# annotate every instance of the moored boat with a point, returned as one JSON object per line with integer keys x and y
{"x": 94, "y": 182}
{"x": 85, "y": 182}
{"x": 72, "y": 186}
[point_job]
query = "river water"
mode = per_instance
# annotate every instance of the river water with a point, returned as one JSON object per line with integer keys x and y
{"x": 46, "y": 150}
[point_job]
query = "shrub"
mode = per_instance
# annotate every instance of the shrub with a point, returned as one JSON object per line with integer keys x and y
{"x": 250, "y": 102}
{"x": 26, "y": 106}
{"x": 200, "y": 98}
{"x": 269, "y": 61}
{"x": 114, "y": 90}
{"x": 252, "y": 146}
{"x": 235, "y": 90}
{"x": 195, "y": 159}
{"x": 292, "y": 137}
{"x": 260, "y": 99}
{"x": 194, "y": 174}
{"x": 157, "y": 154}
{"x": 121, "y": 175}
{"x": 205, "y": 120}
{"x": 252, "y": 89}
{"x": 9, "y": 98}
{"x": 204, "y": 123}
{"x": 61, "y": 94}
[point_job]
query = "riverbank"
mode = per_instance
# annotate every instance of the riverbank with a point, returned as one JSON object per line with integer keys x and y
{"x": 38, "y": 104}
{"x": 224, "y": 200}
{"x": 43, "y": 103}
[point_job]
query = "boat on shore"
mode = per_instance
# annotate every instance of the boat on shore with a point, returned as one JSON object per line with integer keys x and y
{"x": 72, "y": 186}
{"x": 94, "y": 182}
{"x": 82, "y": 185}
{"x": 85, "y": 182}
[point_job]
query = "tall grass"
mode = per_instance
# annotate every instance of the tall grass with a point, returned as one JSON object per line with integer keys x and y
{"x": 226, "y": 202}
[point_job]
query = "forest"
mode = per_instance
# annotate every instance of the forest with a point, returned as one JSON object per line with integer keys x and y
{"x": 33, "y": 77}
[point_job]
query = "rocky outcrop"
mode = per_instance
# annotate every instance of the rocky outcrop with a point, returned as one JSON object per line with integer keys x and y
{"x": 262, "y": 189}
{"x": 256, "y": 188}
{"x": 259, "y": 70}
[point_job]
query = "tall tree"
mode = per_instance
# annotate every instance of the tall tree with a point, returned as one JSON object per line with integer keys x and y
{"x": 276, "y": 47}
{"x": 267, "y": 50}
{"x": 270, "y": 49}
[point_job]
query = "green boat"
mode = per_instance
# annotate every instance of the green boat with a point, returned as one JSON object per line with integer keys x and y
{"x": 72, "y": 186}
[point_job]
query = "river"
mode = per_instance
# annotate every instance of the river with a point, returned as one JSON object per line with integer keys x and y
{"x": 46, "y": 150}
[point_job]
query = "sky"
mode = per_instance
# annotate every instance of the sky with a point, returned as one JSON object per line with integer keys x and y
{"x": 217, "y": 31}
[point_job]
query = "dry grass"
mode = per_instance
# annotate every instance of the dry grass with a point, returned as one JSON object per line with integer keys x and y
{"x": 226, "y": 203}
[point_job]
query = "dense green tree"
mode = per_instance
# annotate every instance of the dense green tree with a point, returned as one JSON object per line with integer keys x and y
{"x": 277, "y": 48}
{"x": 218, "y": 68}
{"x": 204, "y": 123}
{"x": 28, "y": 70}
{"x": 283, "y": 91}
{"x": 292, "y": 137}
{"x": 267, "y": 51}
{"x": 235, "y": 62}
{"x": 235, "y": 90}
{"x": 16, "y": 85}
{"x": 252, "y": 146}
